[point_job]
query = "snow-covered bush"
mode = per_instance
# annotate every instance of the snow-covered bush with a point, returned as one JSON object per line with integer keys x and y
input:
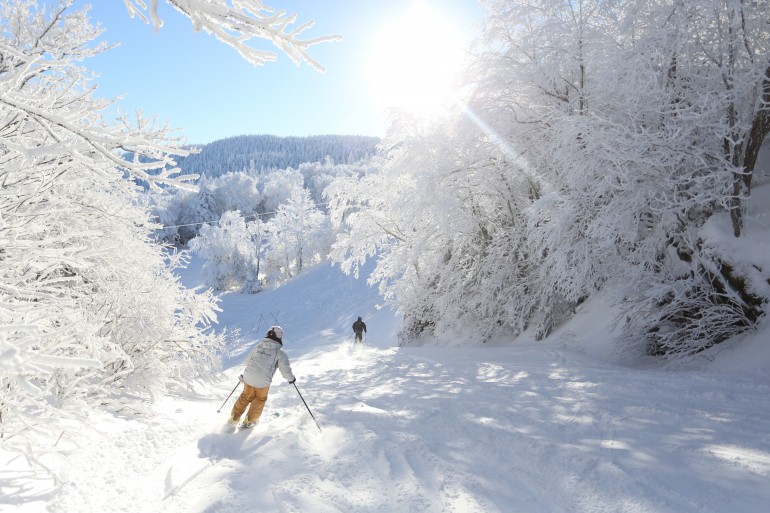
{"x": 705, "y": 290}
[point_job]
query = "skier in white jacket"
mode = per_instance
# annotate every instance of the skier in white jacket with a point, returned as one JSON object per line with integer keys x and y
{"x": 261, "y": 364}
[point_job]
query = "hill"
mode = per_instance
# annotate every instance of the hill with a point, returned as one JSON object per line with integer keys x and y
{"x": 258, "y": 153}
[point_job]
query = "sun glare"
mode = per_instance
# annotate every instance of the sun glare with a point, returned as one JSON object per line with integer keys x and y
{"x": 415, "y": 62}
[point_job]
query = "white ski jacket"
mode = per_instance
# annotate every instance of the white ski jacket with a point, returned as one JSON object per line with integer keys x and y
{"x": 262, "y": 362}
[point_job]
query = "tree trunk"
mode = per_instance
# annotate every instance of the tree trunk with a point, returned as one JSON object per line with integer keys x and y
{"x": 759, "y": 130}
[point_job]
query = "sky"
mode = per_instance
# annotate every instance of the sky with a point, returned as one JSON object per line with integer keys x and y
{"x": 524, "y": 426}
{"x": 204, "y": 87}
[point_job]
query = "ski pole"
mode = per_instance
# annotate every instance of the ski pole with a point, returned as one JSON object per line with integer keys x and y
{"x": 306, "y": 406}
{"x": 228, "y": 397}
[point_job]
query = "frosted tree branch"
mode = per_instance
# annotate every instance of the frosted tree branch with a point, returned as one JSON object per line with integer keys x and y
{"x": 238, "y": 23}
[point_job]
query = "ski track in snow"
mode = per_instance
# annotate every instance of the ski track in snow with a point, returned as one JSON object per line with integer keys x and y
{"x": 526, "y": 428}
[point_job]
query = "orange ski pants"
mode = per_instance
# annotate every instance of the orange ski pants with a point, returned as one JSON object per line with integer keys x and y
{"x": 253, "y": 398}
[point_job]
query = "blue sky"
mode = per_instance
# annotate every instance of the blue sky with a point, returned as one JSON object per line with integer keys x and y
{"x": 205, "y": 88}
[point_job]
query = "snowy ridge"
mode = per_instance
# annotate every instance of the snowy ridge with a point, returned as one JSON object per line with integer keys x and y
{"x": 264, "y": 152}
{"x": 533, "y": 427}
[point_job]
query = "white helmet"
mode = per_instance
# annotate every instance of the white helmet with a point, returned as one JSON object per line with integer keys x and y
{"x": 277, "y": 331}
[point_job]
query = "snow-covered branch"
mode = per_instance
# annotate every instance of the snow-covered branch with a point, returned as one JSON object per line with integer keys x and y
{"x": 238, "y": 23}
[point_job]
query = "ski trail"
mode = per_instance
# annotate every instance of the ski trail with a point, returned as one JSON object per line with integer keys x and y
{"x": 413, "y": 426}
{"x": 457, "y": 431}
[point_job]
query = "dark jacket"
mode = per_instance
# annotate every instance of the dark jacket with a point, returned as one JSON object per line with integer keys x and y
{"x": 359, "y": 326}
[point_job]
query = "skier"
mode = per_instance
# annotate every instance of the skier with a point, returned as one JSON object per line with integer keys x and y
{"x": 359, "y": 328}
{"x": 261, "y": 364}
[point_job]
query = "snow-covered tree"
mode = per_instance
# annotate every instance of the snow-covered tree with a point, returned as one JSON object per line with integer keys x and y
{"x": 279, "y": 186}
{"x": 89, "y": 306}
{"x": 297, "y": 237}
{"x": 184, "y": 212}
{"x": 686, "y": 152}
{"x": 238, "y": 191}
{"x": 318, "y": 175}
{"x": 598, "y": 139}
{"x": 444, "y": 218}
{"x": 231, "y": 249}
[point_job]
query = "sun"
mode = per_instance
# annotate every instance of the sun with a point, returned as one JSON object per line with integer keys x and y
{"x": 415, "y": 62}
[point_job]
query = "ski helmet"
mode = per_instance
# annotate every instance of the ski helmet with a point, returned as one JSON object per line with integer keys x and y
{"x": 277, "y": 331}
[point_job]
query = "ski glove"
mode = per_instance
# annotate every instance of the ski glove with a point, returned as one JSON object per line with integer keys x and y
{"x": 292, "y": 381}
{"x": 240, "y": 378}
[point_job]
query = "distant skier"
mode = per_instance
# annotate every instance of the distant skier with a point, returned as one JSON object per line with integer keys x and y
{"x": 359, "y": 328}
{"x": 261, "y": 364}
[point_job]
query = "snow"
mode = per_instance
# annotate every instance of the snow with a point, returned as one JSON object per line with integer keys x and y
{"x": 554, "y": 426}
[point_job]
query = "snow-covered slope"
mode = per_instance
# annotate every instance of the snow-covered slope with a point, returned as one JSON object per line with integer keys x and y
{"x": 532, "y": 427}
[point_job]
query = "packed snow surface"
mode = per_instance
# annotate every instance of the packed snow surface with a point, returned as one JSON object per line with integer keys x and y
{"x": 555, "y": 426}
